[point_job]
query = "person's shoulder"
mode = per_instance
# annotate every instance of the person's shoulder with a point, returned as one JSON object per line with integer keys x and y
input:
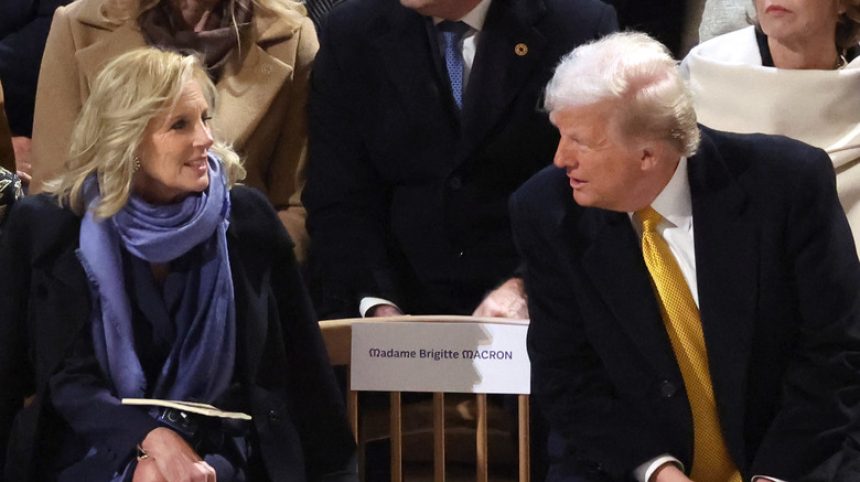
{"x": 779, "y": 159}
{"x": 354, "y": 16}
{"x": 42, "y": 222}
{"x": 42, "y": 207}
{"x": 546, "y": 192}
{"x": 252, "y": 217}
{"x": 275, "y": 21}
{"x": 737, "y": 47}
{"x": 249, "y": 206}
{"x": 90, "y": 12}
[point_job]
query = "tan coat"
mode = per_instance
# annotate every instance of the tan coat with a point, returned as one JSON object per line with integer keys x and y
{"x": 261, "y": 108}
{"x": 7, "y": 154}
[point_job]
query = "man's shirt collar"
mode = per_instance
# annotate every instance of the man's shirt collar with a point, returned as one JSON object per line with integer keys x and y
{"x": 475, "y": 18}
{"x": 674, "y": 202}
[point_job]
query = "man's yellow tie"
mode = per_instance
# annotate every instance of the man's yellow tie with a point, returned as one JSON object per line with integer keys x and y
{"x": 711, "y": 459}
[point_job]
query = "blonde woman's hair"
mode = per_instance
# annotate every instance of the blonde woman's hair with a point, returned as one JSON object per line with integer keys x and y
{"x": 638, "y": 74}
{"x": 126, "y": 96}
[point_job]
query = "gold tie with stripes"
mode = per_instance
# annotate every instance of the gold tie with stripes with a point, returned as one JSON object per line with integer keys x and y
{"x": 711, "y": 459}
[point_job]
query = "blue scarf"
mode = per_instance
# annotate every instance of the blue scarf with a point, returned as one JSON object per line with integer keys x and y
{"x": 201, "y": 361}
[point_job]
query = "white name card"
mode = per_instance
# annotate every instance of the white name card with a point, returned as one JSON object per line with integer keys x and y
{"x": 463, "y": 357}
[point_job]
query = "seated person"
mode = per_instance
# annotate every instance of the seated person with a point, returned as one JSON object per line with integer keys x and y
{"x": 423, "y": 121}
{"x": 694, "y": 301}
{"x": 800, "y": 78}
{"x": 258, "y": 53}
{"x": 146, "y": 272}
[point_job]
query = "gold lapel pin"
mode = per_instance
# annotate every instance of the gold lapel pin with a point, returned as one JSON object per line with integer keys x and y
{"x": 521, "y": 49}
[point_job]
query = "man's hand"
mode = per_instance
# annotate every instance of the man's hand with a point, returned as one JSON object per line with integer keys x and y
{"x": 506, "y": 301}
{"x": 669, "y": 472}
{"x": 175, "y": 459}
{"x": 384, "y": 310}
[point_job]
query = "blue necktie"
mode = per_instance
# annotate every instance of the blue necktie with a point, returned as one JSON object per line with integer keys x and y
{"x": 452, "y": 39}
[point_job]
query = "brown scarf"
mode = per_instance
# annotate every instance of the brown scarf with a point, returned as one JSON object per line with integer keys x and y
{"x": 161, "y": 28}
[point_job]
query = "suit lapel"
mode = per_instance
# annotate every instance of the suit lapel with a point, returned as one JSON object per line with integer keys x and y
{"x": 509, "y": 48}
{"x": 613, "y": 261}
{"x": 92, "y": 58}
{"x": 726, "y": 270}
{"x": 402, "y": 41}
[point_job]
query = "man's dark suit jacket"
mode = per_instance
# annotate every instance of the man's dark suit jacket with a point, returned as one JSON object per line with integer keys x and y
{"x": 779, "y": 291}
{"x": 406, "y": 197}
{"x": 281, "y": 361}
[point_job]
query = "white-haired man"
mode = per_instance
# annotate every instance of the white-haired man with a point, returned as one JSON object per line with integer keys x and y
{"x": 695, "y": 311}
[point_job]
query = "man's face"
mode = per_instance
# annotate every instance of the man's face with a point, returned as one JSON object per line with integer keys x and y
{"x": 605, "y": 171}
{"x": 447, "y": 9}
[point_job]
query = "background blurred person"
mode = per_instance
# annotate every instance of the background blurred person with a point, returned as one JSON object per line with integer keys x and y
{"x": 24, "y": 26}
{"x": 421, "y": 127}
{"x": 318, "y": 9}
{"x": 794, "y": 73}
{"x": 664, "y": 19}
{"x": 258, "y": 53}
{"x": 144, "y": 272}
{"x": 7, "y": 154}
{"x": 723, "y": 16}
{"x": 10, "y": 184}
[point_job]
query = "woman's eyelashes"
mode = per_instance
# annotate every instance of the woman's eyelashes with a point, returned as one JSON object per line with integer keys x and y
{"x": 182, "y": 123}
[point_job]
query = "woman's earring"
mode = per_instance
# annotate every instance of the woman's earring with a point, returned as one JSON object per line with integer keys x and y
{"x": 136, "y": 164}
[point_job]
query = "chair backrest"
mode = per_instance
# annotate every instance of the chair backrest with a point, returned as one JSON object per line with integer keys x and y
{"x": 338, "y": 339}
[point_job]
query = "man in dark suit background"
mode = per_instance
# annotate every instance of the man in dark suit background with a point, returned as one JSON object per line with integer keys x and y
{"x": 695, "y": 305}
{"x": 408, "y": 180}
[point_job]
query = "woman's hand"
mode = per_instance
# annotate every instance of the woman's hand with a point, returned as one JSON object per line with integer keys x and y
{"x": 175, "y": 460}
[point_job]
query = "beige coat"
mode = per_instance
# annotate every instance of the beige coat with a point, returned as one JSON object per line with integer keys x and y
{"x": 7, "y": 154}
{"x": 261, "y": 108}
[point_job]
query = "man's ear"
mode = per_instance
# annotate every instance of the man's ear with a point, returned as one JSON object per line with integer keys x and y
{"x": 649, "y": 154}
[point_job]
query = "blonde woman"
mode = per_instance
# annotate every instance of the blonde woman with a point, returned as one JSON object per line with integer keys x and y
{"x": 145, "y": 273}
{"x": 258, "y": 53}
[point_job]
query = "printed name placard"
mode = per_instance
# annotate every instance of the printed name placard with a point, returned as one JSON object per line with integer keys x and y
{"x": 464, "y": 357}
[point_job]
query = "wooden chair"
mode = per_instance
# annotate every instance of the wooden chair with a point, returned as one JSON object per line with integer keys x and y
{"x": 338, "y": 339}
